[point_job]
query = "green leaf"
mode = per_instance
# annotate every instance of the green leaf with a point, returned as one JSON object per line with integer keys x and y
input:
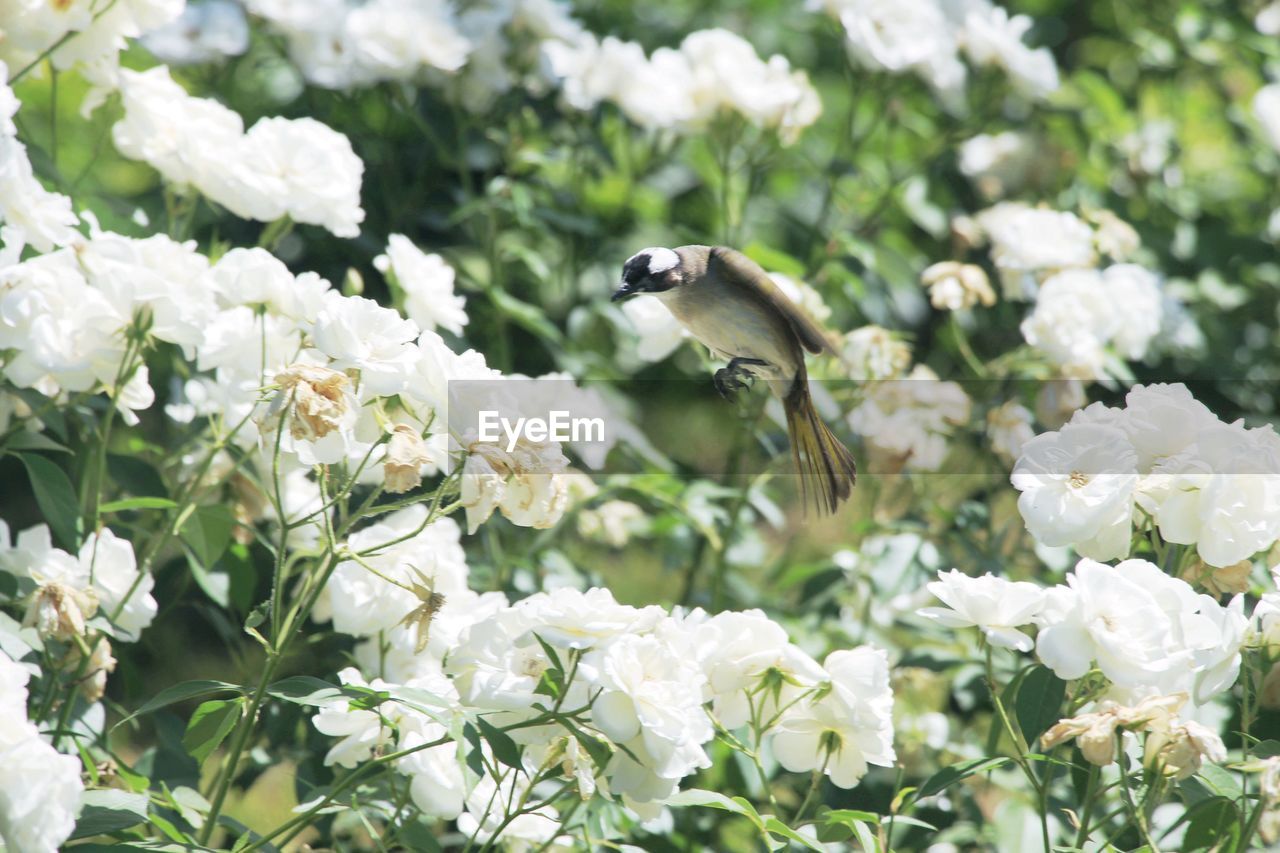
{"x": 305, "y": 690}
{"x": 55, "y": 497}
{"x": 109, "y": 810}
{"x": 948, "y": 776}
{"x": 231, "y": 581}
{"x": 1039, "y": 702}
{"x": 715, "y": 800}
{"x": 210, "y": 725}
{"x": 475, "y": 755}
{"x": 550, "y": 651}
{"x": 1265, "y": 749}
{"x": 24, "y": 440}
{"x": 169, "y": 829}
{"x": 504, "y": 748}
{"x": 207, "y": 533}
{"x": 180, "y": 693}
{"x": 774, "y": 260}
{"x": 1214, "y": 823}
{"x": 865, "y": 837}
{"x": 837, "y": 816}
{"x": 135, "y": 476}
{"x": 530, "y": 317}
{"x": 137, "y": 503}
{"x": 772, "y": 824}
{"x": 1220, "y": 780}
{"x": 598, "y": 749}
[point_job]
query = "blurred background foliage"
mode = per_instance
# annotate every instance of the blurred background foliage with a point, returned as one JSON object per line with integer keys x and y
{"x": 537, "y": 207}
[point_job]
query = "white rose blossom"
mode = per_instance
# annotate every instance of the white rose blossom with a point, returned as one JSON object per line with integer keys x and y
{"x": 846, "y": 729}
{"x": 995, "y": 606}
{"x": 1077, "y": 489}
{"x": 427, "y": 283}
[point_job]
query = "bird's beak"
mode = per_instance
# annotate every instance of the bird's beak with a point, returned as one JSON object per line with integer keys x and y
{"x": 624, "y": 290}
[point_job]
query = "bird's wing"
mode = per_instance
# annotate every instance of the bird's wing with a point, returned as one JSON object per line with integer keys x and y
{"x": 747, "y": 274}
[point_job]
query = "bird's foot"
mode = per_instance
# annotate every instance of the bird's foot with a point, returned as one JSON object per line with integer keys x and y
{"x": 735, "y": 377}
{"x": 728, "y": 382}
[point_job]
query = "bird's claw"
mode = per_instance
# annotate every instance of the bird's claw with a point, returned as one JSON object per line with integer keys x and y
{"x": 728, "y": 382}
{"x": 733, "y": 378}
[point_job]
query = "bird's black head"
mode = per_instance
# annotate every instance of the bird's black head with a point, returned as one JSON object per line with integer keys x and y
{"x": 651, "y": 270}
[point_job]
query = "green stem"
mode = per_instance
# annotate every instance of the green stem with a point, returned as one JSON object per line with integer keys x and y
{"x": 1020, "y": 747}
{"x": 815, "y": 782}
{"x": 1089, "y": 790}
{"x": 244, "y": 728}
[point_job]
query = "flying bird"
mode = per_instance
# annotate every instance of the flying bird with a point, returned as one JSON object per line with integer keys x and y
{"x": 729, "y": 303}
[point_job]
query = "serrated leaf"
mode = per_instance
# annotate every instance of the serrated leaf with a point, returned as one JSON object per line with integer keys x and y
{"x": 209, "y": 725}
{"x": 948, "y": 776}
{"x": 1039, "y": 702}
{"x": 179, "y": 693}
{"x": 109, "y": 811}
{"x": 56, "y": 498}
{"x": 504, "y": 748}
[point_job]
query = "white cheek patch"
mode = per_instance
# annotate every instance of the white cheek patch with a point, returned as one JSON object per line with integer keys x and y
{"x": 661, "y": 260}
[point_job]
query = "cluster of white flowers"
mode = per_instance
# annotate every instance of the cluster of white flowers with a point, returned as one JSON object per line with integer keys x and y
{"x": 1148, "y": 633}
{"x": 205, "y": 32}
{"x": 713, "y": 71}
{"x": 647, "y": 686}
{"x": 1165, "y": 461}
{"x": 86, "y": 34}
{"x": 64, "y": 592}
{"x": 1085, "y": 317}
{"x": 907, "y": 421}
{"x": 476, "y": 51}
{"x": 342, "y": 372}
{"x": 874, "y": 352}
{"x": 40, "y": 788}
{"x": 1173, "y": 747}
{"x": 340, "y": 45}
{"x": 954, "y": 286}
{"x": 280, "y": 167}
{"x": 927, "y": 37}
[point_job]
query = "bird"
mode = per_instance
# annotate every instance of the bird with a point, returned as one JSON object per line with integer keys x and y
{"x": 729, "y": 303}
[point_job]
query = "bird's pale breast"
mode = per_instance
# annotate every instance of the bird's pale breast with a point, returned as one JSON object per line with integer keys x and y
{"x": 736, "y": 327}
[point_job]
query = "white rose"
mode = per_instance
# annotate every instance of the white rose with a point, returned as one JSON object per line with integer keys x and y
{"x": 994, "y": 605}
{"x": 1077, "y": 489}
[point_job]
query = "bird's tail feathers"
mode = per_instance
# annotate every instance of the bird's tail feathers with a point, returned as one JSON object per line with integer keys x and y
{"x": 826, "y": 468}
